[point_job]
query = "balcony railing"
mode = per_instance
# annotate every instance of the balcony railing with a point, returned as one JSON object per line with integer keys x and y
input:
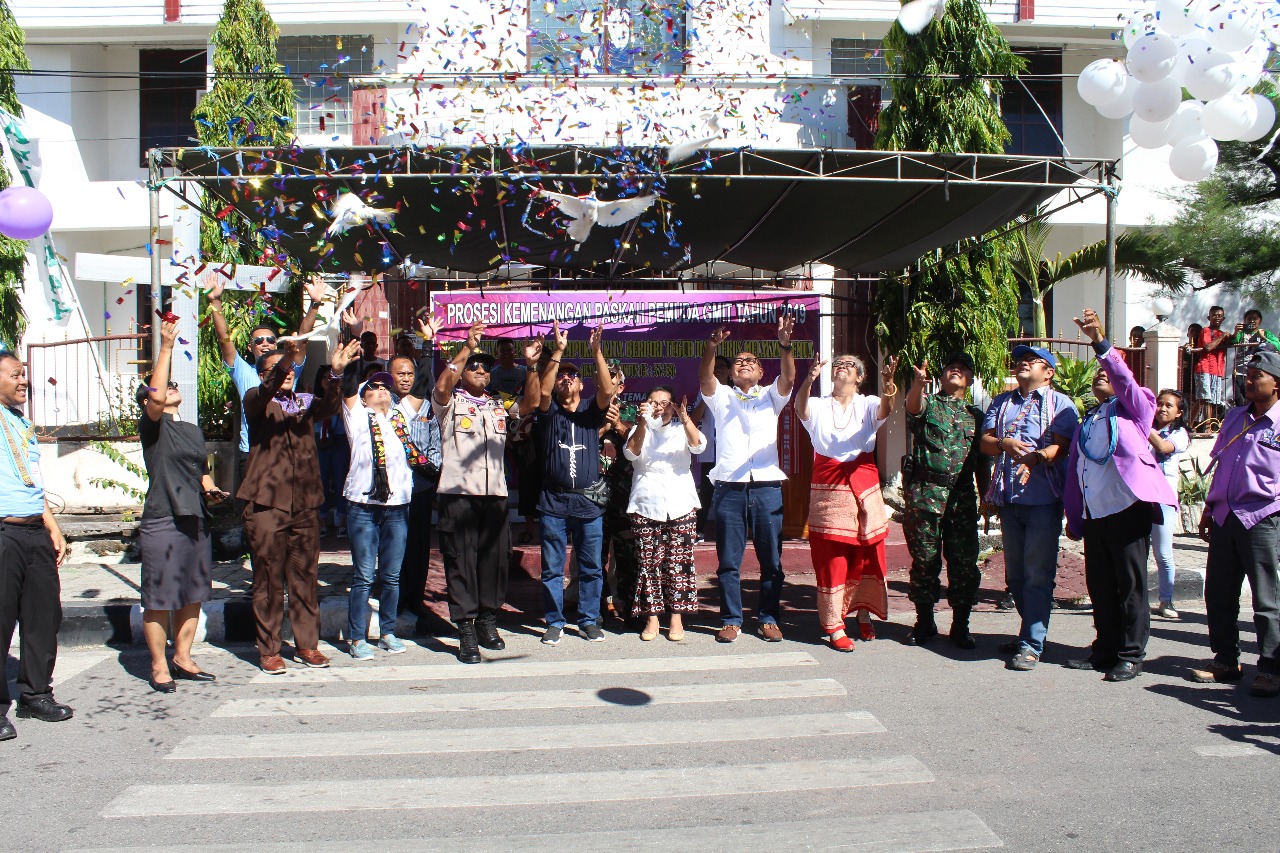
{"x": 84, "y": 389}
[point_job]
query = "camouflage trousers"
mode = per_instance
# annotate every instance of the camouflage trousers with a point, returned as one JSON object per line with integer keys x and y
{"x": 930, "y": 537}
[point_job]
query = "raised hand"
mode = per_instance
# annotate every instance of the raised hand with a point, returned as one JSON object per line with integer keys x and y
{"x": 719, "y": 336}
{"x": 645, "y": 410}
{"x": 786, "y": 324}
{"x": 474, "y": 334}
{"x": 342, "y": 355}
{"x": 818, "y": 363}
{"x": 597, "y": 334}
{"x": 349, "y": 318}
{"x": 1090, "y": 325}
{"x": 428, "y": 326}
{"x": 922, "y": 372}
{"x": 561, "y": 338}
{"x": 533, "y": 351}
{"x": 168, "y": 334}
{"x": 214, "y": 293}
{"x": 887, "y": 373}
{"x": 682, "y": 411}
{"x": 316, "y": 288}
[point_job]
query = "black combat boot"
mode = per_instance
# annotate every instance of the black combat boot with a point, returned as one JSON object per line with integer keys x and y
{"x": 960, "y": 636}
{"x": 926, "y": 629}
{"x": 468, "y": 651}
{"x": 487, "y": 631}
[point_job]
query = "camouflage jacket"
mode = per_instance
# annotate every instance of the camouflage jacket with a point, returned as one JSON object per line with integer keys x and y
{"x": 944, "y": 453}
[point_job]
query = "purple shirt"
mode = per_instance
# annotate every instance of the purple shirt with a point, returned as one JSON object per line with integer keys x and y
{"x": 1247, "y": 479}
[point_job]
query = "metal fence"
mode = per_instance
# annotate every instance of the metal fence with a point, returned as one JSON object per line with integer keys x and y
{"x": 84, "y": 389}
{"x": 1135, "y": 357}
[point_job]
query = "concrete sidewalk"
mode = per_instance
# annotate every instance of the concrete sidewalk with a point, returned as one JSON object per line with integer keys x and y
{"x": 100, "y": 597}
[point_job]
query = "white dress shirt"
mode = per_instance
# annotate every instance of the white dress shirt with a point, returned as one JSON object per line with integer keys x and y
{"x": 661, "y": 487}
{"x": 360, "y": 473}
{"x": 1105, "y": 491}
{"x": 746, "y": 433}
{"x": 841, "y": 433}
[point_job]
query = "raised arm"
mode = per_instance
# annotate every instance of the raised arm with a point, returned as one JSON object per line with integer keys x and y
{"x": 225, "y": 344}
{"x": 787, "y": 373}
{"x": 532, "y": 387}
{"x": 691, "y": 433}
{"x": 605, "y": 388}
{"x": 707, "y": 369}
{"x": 449, "y": 377}
{"x": 915, "y": 397}
{"x": 547, "y": 381}
{"x": 158, "y": 392}
{"x": 315, "y": 288}
{"x": 1134, "y": 400}
{"x": 256, "y": 403}
{"x": 802, "y": 397}
{"x": 343, "y": 354}
{"x": 888, "y": 388}
{"x": 636, "y": 442}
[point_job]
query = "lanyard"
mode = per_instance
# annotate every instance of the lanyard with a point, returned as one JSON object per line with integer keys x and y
{"x": 1086, "y": 432}
{"x": 1233, "y": 440}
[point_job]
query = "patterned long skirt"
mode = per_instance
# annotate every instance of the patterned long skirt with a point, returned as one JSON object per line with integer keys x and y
{"x": 666, "y": 579}
{"x": 848, "y": 526}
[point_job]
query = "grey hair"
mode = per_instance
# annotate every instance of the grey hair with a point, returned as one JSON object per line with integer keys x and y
{"x": 857, "y": 360}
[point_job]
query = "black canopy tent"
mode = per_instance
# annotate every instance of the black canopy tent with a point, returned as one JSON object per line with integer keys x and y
{"x": 475, "y": 210}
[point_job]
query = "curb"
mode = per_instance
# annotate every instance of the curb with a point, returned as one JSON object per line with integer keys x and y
{"x": 225, "y": 621}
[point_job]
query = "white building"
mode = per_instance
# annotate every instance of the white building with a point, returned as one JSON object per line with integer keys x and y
{"x": 116, "y": 78}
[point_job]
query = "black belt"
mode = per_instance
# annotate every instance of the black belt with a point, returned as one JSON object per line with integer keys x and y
{"x": 918, "y": 474}
{"x": 24, "y": 521}
{"x": 748, "y": 484}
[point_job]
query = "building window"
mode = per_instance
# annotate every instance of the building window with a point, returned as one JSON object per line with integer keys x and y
{"x": 322, "y": 68}
{"x": 864, "y": 59}
{"x": 168, "y": 85}
{"x": 606, "y": 36}
{"x": 1021, "y": 108}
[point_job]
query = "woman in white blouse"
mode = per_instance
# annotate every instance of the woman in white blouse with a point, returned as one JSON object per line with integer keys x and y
{"x": 847, "y": 520}
{"x": 663, "y": 510}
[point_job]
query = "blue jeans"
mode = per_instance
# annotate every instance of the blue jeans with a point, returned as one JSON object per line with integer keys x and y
{"x": 1030, "y": 534}
{"x": 378, "y": 534}
{"x": 334, "y": 461}
{"x": 1162, "y": 542}
{"x": 588, "y": 537}
{"x": 734, "y": 507}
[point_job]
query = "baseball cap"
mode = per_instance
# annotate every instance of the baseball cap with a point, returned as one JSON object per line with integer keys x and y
{"x": 1023, "y": 350}
{"x": 960, "y": 358}
{"x": 1267, "y": 362}
{"x": 381, "y": 376}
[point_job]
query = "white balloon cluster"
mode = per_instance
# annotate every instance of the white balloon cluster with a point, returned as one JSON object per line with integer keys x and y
{"x": 1214, "y": 49}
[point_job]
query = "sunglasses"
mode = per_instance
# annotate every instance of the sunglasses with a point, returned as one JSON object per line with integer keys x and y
{"x": 264, "y": 339}
{"x": 377, "y": 386}
{"x": 477, "y": 365}
{"x": 173, "y": 386}
{"x": 747, "y": 361}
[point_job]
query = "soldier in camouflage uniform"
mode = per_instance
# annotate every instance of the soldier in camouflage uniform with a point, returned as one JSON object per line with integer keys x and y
{"x": 942, "y": 499}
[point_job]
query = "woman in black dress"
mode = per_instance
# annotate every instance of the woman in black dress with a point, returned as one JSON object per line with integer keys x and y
{"x": 177, "y": 560}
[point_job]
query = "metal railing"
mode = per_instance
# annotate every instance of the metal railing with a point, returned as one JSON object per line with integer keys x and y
{"x": 1135, "y": 357}
{"x": 84, "y": 388}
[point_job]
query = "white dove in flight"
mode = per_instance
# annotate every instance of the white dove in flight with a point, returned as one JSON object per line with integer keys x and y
{"x": 587, "y": 211}
{"x": 686, "y": 149}
{"x": 917, "y": 14}
{"x": 349, "y": 211}
{"x": 333, "y": 326}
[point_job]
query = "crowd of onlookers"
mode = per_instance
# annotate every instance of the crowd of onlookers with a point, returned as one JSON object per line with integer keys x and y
{"x": 389, "y": 451}
{"x": 1205, "y": 366}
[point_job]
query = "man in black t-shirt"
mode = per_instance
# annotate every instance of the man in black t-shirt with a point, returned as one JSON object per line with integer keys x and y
{"x": 567, "y": 428}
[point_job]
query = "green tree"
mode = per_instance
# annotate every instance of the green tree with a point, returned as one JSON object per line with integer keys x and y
{"x": 1145, "y": 253}
{"x": 251, "y": 104}
{"x": 964, "y": 297}
{"x": 1226, "y": 228}
{"x": 13, "y": 258}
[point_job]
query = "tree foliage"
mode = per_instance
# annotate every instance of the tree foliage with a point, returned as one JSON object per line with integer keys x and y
{"x": 251, "y": 104}
{"x": 964, "y": 297}
{"x": 1227, "y": 226}
{"x": 13, "y": 258}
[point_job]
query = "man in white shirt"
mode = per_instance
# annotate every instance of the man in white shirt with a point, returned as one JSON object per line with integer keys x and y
{"x": 747, "y": 477}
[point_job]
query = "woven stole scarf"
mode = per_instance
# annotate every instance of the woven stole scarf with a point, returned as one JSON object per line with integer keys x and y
{"x": 19, "y": 453}
{"x": 380, "y": 489}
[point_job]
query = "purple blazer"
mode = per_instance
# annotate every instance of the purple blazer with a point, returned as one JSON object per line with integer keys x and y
{"x": 1135, "y": 410}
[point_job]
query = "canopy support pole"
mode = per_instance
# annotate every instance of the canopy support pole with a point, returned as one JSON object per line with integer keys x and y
{"x": 1110, "y": 280}
{"x": 153, "y": 245}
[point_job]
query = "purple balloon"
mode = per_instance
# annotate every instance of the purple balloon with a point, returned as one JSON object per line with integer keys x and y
{"x": 25, "y": 213}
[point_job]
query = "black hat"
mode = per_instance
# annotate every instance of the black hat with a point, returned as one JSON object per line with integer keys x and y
{"x": 961, "y": 358}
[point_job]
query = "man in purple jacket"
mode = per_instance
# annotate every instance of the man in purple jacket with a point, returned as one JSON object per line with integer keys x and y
{"x": 1113, "y": 489}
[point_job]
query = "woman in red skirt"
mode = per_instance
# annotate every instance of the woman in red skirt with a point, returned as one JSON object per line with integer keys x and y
{"x": 847, "y": 520}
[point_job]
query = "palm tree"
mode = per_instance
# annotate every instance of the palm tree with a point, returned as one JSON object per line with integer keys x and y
{"x": 1144, "y": 253}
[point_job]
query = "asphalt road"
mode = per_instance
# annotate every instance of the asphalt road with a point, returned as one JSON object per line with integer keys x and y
{"x": 654, "y": 746}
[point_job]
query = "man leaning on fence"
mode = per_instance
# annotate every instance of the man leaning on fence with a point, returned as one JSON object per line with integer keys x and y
{"x": 31, "y": 548}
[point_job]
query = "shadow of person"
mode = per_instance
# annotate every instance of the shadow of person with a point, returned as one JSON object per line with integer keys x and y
{"x": 1225, "y": 700}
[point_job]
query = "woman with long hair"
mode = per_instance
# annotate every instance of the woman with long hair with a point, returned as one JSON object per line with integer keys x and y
{"x": 1169, "y": 440}
{"x": 848, "y": 524}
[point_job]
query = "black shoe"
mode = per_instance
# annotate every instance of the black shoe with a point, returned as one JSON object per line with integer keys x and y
{"x": 959, "y": 633}
{"x": 1123, "y": 671}
{"x": 7, "y": 731}
{"x": 163, "y": 686}
{"x": 468, "y": 649}
{"x": 1088, "y": 663}
{"x": 1007, "y": 602}
{"x": 187, "y": 675}
{"x": 487, "y": 632}
{"x": 45, "y": 709}
{"x": 923, "y": 632}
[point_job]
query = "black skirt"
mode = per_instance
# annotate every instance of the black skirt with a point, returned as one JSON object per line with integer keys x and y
{"x": 177, "y": 562}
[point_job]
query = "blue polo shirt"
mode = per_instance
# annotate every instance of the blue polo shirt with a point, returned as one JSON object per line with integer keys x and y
{"x": 1034, "y": 420}
{"x": 16, "y": 497}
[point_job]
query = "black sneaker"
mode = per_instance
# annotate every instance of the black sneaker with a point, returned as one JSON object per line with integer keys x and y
{"x": 1007, "y": 602}
{"x": 552, "y": 635}
{"x": 591, "y": 633}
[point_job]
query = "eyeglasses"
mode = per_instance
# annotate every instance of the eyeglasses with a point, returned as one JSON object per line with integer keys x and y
{"x": 477, "y": 365}
{"x": 173, "y": 386}
{"x": 1031, "y": 359}
{"x": 844, "y": 365}
{"x": 264, "y": 339}
{"x": 747, "y": 361}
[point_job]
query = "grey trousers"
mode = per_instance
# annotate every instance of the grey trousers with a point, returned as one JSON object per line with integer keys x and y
{"x": 1235, "y": 554}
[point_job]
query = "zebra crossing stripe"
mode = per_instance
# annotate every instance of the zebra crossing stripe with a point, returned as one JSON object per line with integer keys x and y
{"x": 536, "y": 789}
{"x": 514, "y": 668}
{"x": 519, "y": 738}
{"x": 506, "y": 700}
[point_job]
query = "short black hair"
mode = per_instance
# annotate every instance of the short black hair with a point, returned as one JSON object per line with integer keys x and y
{"x": 396, "y": 358}
{"x": 370, "y": 334}
{"x": 5, "y": 355}
{"x": 264, "y": 326}
{"x": 671, "y": 392}
{"x": 1255, "y": 312}
{"x": 1217, "y": 308}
